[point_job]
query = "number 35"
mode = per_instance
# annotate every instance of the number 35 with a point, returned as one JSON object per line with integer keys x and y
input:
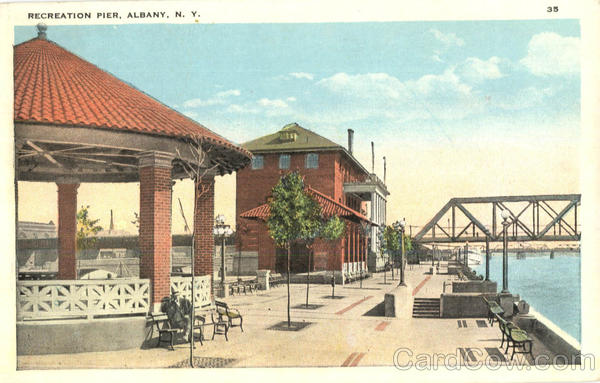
{"x": 552, "y": 9}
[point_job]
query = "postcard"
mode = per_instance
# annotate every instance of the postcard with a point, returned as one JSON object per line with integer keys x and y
{"x": 293, "y": 188}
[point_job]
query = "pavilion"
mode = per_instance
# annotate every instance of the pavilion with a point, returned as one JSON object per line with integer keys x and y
{"x": 74, "y": 123}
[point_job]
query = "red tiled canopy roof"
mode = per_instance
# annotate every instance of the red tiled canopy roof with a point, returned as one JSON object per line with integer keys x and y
{"x": 54, "y": 86}
{"x": 329, "y": 208}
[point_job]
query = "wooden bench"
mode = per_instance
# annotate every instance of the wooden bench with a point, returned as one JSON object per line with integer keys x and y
{"x": 276, "y": 280}
{"x": 202, "y": 315}
{"x": 163, "y": 326}
{"x": 229, "y": 314}
{"x": 514, "y": 336}
{"x": 494, "y": 310}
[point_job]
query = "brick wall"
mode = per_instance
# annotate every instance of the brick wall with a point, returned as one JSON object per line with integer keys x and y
{"x": 155, "y": 229}
{"x": 67, "y": 230}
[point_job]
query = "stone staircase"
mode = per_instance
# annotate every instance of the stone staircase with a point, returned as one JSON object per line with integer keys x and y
{"x": 426, "y": 308}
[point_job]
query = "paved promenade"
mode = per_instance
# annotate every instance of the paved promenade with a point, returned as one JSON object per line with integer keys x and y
{"x": 343, "y": 332}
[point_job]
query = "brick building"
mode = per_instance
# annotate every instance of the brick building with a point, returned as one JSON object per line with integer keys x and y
{"x": 340, "y": 184}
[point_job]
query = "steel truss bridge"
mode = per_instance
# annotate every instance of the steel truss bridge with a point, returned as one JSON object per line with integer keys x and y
{"x": 532, "y": 218}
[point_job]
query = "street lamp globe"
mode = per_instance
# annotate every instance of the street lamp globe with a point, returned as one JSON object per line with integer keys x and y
{"x": 505, "y": 214}
{"x": 220, "y": 219}
{"x": 402, "y": 223}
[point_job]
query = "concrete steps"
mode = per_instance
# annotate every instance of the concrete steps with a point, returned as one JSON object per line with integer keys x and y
{"x": 426, "y": 308}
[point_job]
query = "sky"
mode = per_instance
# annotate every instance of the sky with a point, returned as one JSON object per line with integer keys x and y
{"x": 459, "y": 109}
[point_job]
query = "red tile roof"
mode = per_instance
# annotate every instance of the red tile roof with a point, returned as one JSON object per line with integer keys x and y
{"x": 329, "y": 208}
{"x": 54, "y": 86}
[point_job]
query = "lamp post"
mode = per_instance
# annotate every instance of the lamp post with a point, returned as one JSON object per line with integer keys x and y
{"x": 366, "y": 226}
{"x": 400, "y": 225}
{"x": 222, "y": 231}
{"x": 505, "y": 215}
{"x": 467, "y": 254}
{"x": 381, "y": 239}
{"x": 487, "y": 257}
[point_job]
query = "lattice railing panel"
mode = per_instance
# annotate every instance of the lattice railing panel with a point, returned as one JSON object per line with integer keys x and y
{"x": 183, "y": 286}
{"x": 65, "y": 299}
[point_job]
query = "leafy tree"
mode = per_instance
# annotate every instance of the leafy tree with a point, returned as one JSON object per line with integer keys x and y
{"x": 407, "y": 243}
{"x": 295, "y": 217}
{"x": 332, "y": 230}
{"x": 87, "y": 229}
{"x": 391, "y": 243}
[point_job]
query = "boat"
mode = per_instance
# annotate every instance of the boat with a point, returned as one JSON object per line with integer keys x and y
{"x": 475, "y": 257}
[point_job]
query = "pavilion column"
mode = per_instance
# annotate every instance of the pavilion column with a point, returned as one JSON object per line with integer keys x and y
{"x": 340, "y": 266}
{"x": 67, "y": 228}
{"x": 204, "y": 242}
{"x": 155, "y": 224}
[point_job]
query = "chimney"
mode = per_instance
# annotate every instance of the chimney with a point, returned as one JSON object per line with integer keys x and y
{"x": 112, "y": 225}
{"x": 384, "y": 170}
{"x": 41, "y": 27}
{"x": 350, "y": 140}
{"x": 372, "y": 157}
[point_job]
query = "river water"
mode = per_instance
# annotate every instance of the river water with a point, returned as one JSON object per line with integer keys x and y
{"x": 551, "y": 286}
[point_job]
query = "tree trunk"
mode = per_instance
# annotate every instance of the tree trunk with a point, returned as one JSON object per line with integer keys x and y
{"x": 289, "y": 251}
{"x": 191, "y": 329}
{"x": 333, "y": 285}
{"x": 308, "y": 279}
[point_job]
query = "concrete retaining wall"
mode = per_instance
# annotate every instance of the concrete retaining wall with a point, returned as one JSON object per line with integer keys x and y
{"x": 74, "y": 336}
{"x": 474, "y": 287}
{"x": 464, "y": 305}
{"x": 553, "y": 337}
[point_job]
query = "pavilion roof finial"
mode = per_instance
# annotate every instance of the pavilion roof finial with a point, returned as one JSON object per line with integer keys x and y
{"x": 41, "y": 27}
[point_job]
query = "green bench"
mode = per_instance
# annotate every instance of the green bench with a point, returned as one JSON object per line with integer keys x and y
{"x": 229, "y": 315}
{"x": 494, "y": 310}
{"x": 515, "y": 337}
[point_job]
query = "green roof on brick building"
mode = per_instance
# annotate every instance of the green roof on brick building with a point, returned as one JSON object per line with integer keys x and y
{"x": 291, "y": 137}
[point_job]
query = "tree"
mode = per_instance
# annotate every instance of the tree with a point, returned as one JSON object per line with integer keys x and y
{"x": 87, "y": 229}
{"x": 196, "y": 170}
{"x": 295, "y": 217}
{"x": 332, "y": 230}
{"x": 391, "y": 243}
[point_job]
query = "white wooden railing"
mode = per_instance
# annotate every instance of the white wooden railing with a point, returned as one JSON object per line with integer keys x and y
{"x": 68, "y": 299}
{"x": 183, "y": 286}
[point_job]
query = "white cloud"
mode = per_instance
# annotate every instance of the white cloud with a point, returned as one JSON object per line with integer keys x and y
{"x": 291, "y": 99}
{"x": 380, "y": 95}
{"x": 549, "y": 53}
{"x": 242, "y": 109}
{"x": 302, "y": 75}
{"x": 525, "y": 98}
{"x": 477, "y": 70}
{"x": 276, "y": 103}
{"x": 447, "y": 39}
{"x": 436, "y": 57}
{"x": 369, "y": 85}
{"x": 265, "y": 106}
{"x": 219, "y": 98}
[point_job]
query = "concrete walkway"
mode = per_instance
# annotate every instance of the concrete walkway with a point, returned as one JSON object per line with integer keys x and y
{"x": 342, "y": 332}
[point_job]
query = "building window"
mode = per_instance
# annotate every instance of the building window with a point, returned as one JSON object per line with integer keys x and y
{"x": 312, "y": 161}
{"x": 258, "y": 162}
{"x": 284, "y": 161}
